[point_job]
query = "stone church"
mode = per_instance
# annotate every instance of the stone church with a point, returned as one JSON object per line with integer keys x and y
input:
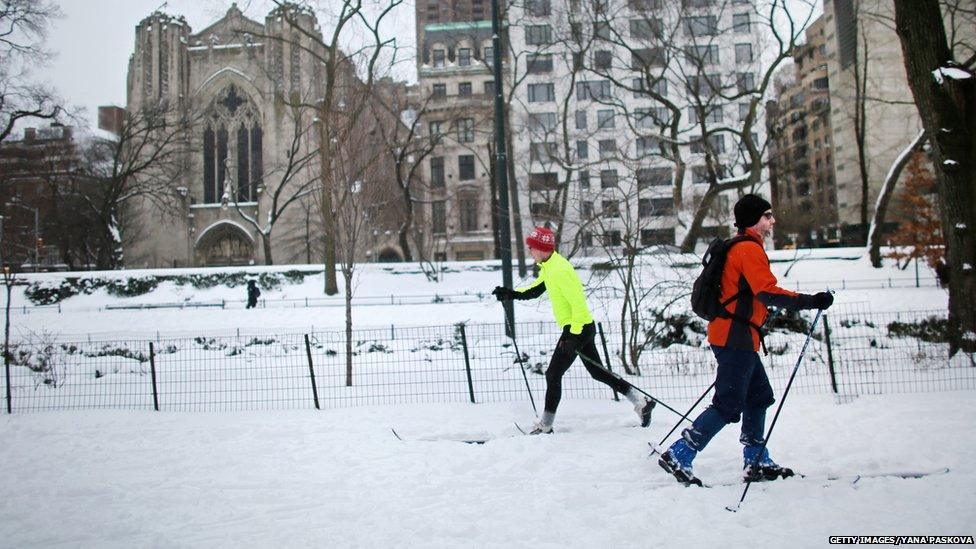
{"x": 238, "y": 76}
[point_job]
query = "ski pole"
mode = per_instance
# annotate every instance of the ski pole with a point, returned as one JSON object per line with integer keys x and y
{"x": 518, "y": 355}
{"x": 683, "y": 417}
{"x": 629, "y": 384}
{"x": 779, "y": 408}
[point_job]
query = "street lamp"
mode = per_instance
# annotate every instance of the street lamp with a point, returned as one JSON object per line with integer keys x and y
{"x": 15, "y": 201}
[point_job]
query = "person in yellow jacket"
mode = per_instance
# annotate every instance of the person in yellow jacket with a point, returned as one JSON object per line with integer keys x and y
{"x": 559, "y": 279}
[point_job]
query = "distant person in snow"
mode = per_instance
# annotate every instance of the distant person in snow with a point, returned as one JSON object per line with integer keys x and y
{"x": 741, "y": 386}
{"x": 253, "y": 293}
{"x": 559, "y": 279}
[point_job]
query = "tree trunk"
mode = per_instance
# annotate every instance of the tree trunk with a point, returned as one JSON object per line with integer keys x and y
{"x": 407, "y": 225}
{"x": 347, "y": 276}
{"x": 328, "y": 217}
{"x": 266, "y": 244}
{"x": 946, "y": 100}
{"x": 513, "y": 199}
{"x": 691, "y": 237}
{"x": 875, "y": 233}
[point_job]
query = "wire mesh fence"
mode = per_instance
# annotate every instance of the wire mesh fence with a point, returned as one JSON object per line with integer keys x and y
{"x": 853, "y": 351}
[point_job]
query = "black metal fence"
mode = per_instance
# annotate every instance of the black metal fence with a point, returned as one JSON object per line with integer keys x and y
{"x": 853, "y": 352}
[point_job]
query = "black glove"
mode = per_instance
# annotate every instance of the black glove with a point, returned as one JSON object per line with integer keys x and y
{"x": 502, "y": 293}
{"x": 821, "y": 300}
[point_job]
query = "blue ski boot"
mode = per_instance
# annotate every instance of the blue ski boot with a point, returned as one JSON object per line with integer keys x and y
{"x": 677, "y": 461}
{"x": 763, "y": 468}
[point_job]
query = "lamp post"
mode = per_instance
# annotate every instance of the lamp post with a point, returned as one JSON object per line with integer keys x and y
{"x": 501, "y": 167}
{"x": 15, "y": 201}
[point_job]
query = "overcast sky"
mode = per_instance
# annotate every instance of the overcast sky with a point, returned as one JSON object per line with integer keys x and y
{"x": 93, "y": 41}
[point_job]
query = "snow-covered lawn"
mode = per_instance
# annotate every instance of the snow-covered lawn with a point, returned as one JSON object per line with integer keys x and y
{"x": 339, "y": 478}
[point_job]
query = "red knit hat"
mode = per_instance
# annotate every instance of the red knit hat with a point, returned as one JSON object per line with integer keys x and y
{"x": 541, "y": 239}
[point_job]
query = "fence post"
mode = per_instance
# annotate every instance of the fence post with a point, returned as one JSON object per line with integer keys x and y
{"x": 152, "y": 372}
{"x": 830, "y": 355}
{"x": 311, "y": 373}
{"x": 606, "y": 354}
{"x": 467, "y": 361}
{"x": 6, "y": 367}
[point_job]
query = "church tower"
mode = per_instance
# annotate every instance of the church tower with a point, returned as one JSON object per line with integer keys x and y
{"x": 159, "y": 67}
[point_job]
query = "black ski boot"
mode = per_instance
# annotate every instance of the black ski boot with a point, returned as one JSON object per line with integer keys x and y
{"x": 762, "y": 469}
{"x": 677, "y": 461}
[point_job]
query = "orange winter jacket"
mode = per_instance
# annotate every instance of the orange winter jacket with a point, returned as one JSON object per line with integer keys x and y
{"x": 747, "y": 273}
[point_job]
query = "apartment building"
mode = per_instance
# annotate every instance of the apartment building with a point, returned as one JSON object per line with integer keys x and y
{"x": 801, "y": 171}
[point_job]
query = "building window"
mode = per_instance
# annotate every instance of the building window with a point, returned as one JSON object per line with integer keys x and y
{"x": 233, "y": 117}
{"x": 542, "y": 152}
{"x": 602, "y": 30}
{"x": 587, "y": 209}
{"x": 435, "y": 128}
{"x": 655, "y": 237}
{"x": 602, "y": 59}
{"x": 745, "y": 82}
{"x": 541, "y": 93}
{"x": 704, "y": 85}
{"x": 645, "y": 29}
{"x": 743, "y": 111}
{"x": 643, "y": 58}
{"x": 438, "y": 91}
{"x": 537, "y": 8}
{"x": 655, "y": 207}
{"x": 702, "y": 55}
{"x": 464, "y": 89}
{"x": 740, "y": 22}
{"x": 612, "y": 238}
{"x": 582, "y": 150}
{"x": 466, "y": 167}
{"x": 539, "y": 63}
{"x": 647, "y": 146}
{"x": 438, "y": 217}
{"x": 608, "y": 179}
{"x": 437, "y": 172}
{"x": 538, "y": 35}
{"x": 611, "y": 208}
{"x": 608, "y": 149}
{"x": 438, "y": 58}
{"x": 464, "y": 57}
{"x": 489, "y": 88}
{"x": 584, "y": 179}
{"x": 593, "y": 89}
{"x": 653, "y": 177}
{"x": 580, "y": 120}
{"x": 743, "y": 53}
{"x": 489, "y": 56}
{"x": 545, "y": 181}
{"x": 702, "y": 25}
{"x": 542, "y": 122}
{"x": 605, "y": 119}
{"x": 465, "y": 130}
{"x": 468, "y": 210}
{"x": 644, "y": 5}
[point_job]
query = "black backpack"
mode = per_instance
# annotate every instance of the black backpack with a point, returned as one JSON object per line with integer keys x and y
{"x": 706, "y": 293}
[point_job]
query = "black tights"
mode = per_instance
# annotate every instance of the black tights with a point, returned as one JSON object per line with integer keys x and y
{"x": 562, "y": 358}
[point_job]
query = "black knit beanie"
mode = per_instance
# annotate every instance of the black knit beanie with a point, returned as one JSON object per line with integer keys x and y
{"x": 749, "y": 209}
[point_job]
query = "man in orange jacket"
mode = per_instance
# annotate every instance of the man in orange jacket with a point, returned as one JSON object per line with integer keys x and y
{"x": 741, "y": 386}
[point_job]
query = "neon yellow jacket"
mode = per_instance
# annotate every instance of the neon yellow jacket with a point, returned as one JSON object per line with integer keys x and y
{"x": 557, "y": 276}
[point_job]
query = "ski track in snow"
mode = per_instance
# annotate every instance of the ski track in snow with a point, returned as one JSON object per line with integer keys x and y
{"x": 339, "y": 477}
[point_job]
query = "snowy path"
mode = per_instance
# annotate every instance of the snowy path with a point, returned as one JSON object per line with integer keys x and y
{"x": 340, "y": 479}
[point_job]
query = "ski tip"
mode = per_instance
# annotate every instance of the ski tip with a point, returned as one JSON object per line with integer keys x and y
{"x": 520, "y": 429}
{"x": 396, "y": 434}
{"x": 732, "y": 508}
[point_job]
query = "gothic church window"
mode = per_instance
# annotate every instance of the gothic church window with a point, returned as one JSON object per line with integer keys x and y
{"x": 232, "y": 149}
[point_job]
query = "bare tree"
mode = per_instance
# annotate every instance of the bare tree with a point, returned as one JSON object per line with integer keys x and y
{"x": 23, "y": 27}
{"x": 945, "y": 94}
{"x": 350, "y": 19}
{"x": 288, "y": 182}
{"x": 141, "y": 163}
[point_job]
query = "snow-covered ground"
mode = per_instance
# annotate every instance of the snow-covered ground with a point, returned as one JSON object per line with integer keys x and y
{"x": 845, "y": 270}
{"x": 339, "y": 478}
{"x": 134, "y": 478}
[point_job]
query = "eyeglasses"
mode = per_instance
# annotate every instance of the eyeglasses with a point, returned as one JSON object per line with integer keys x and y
{"x": 768, "y": 215}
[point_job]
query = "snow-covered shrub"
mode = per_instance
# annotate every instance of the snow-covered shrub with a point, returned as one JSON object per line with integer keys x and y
{"x": 131, "y": 287}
